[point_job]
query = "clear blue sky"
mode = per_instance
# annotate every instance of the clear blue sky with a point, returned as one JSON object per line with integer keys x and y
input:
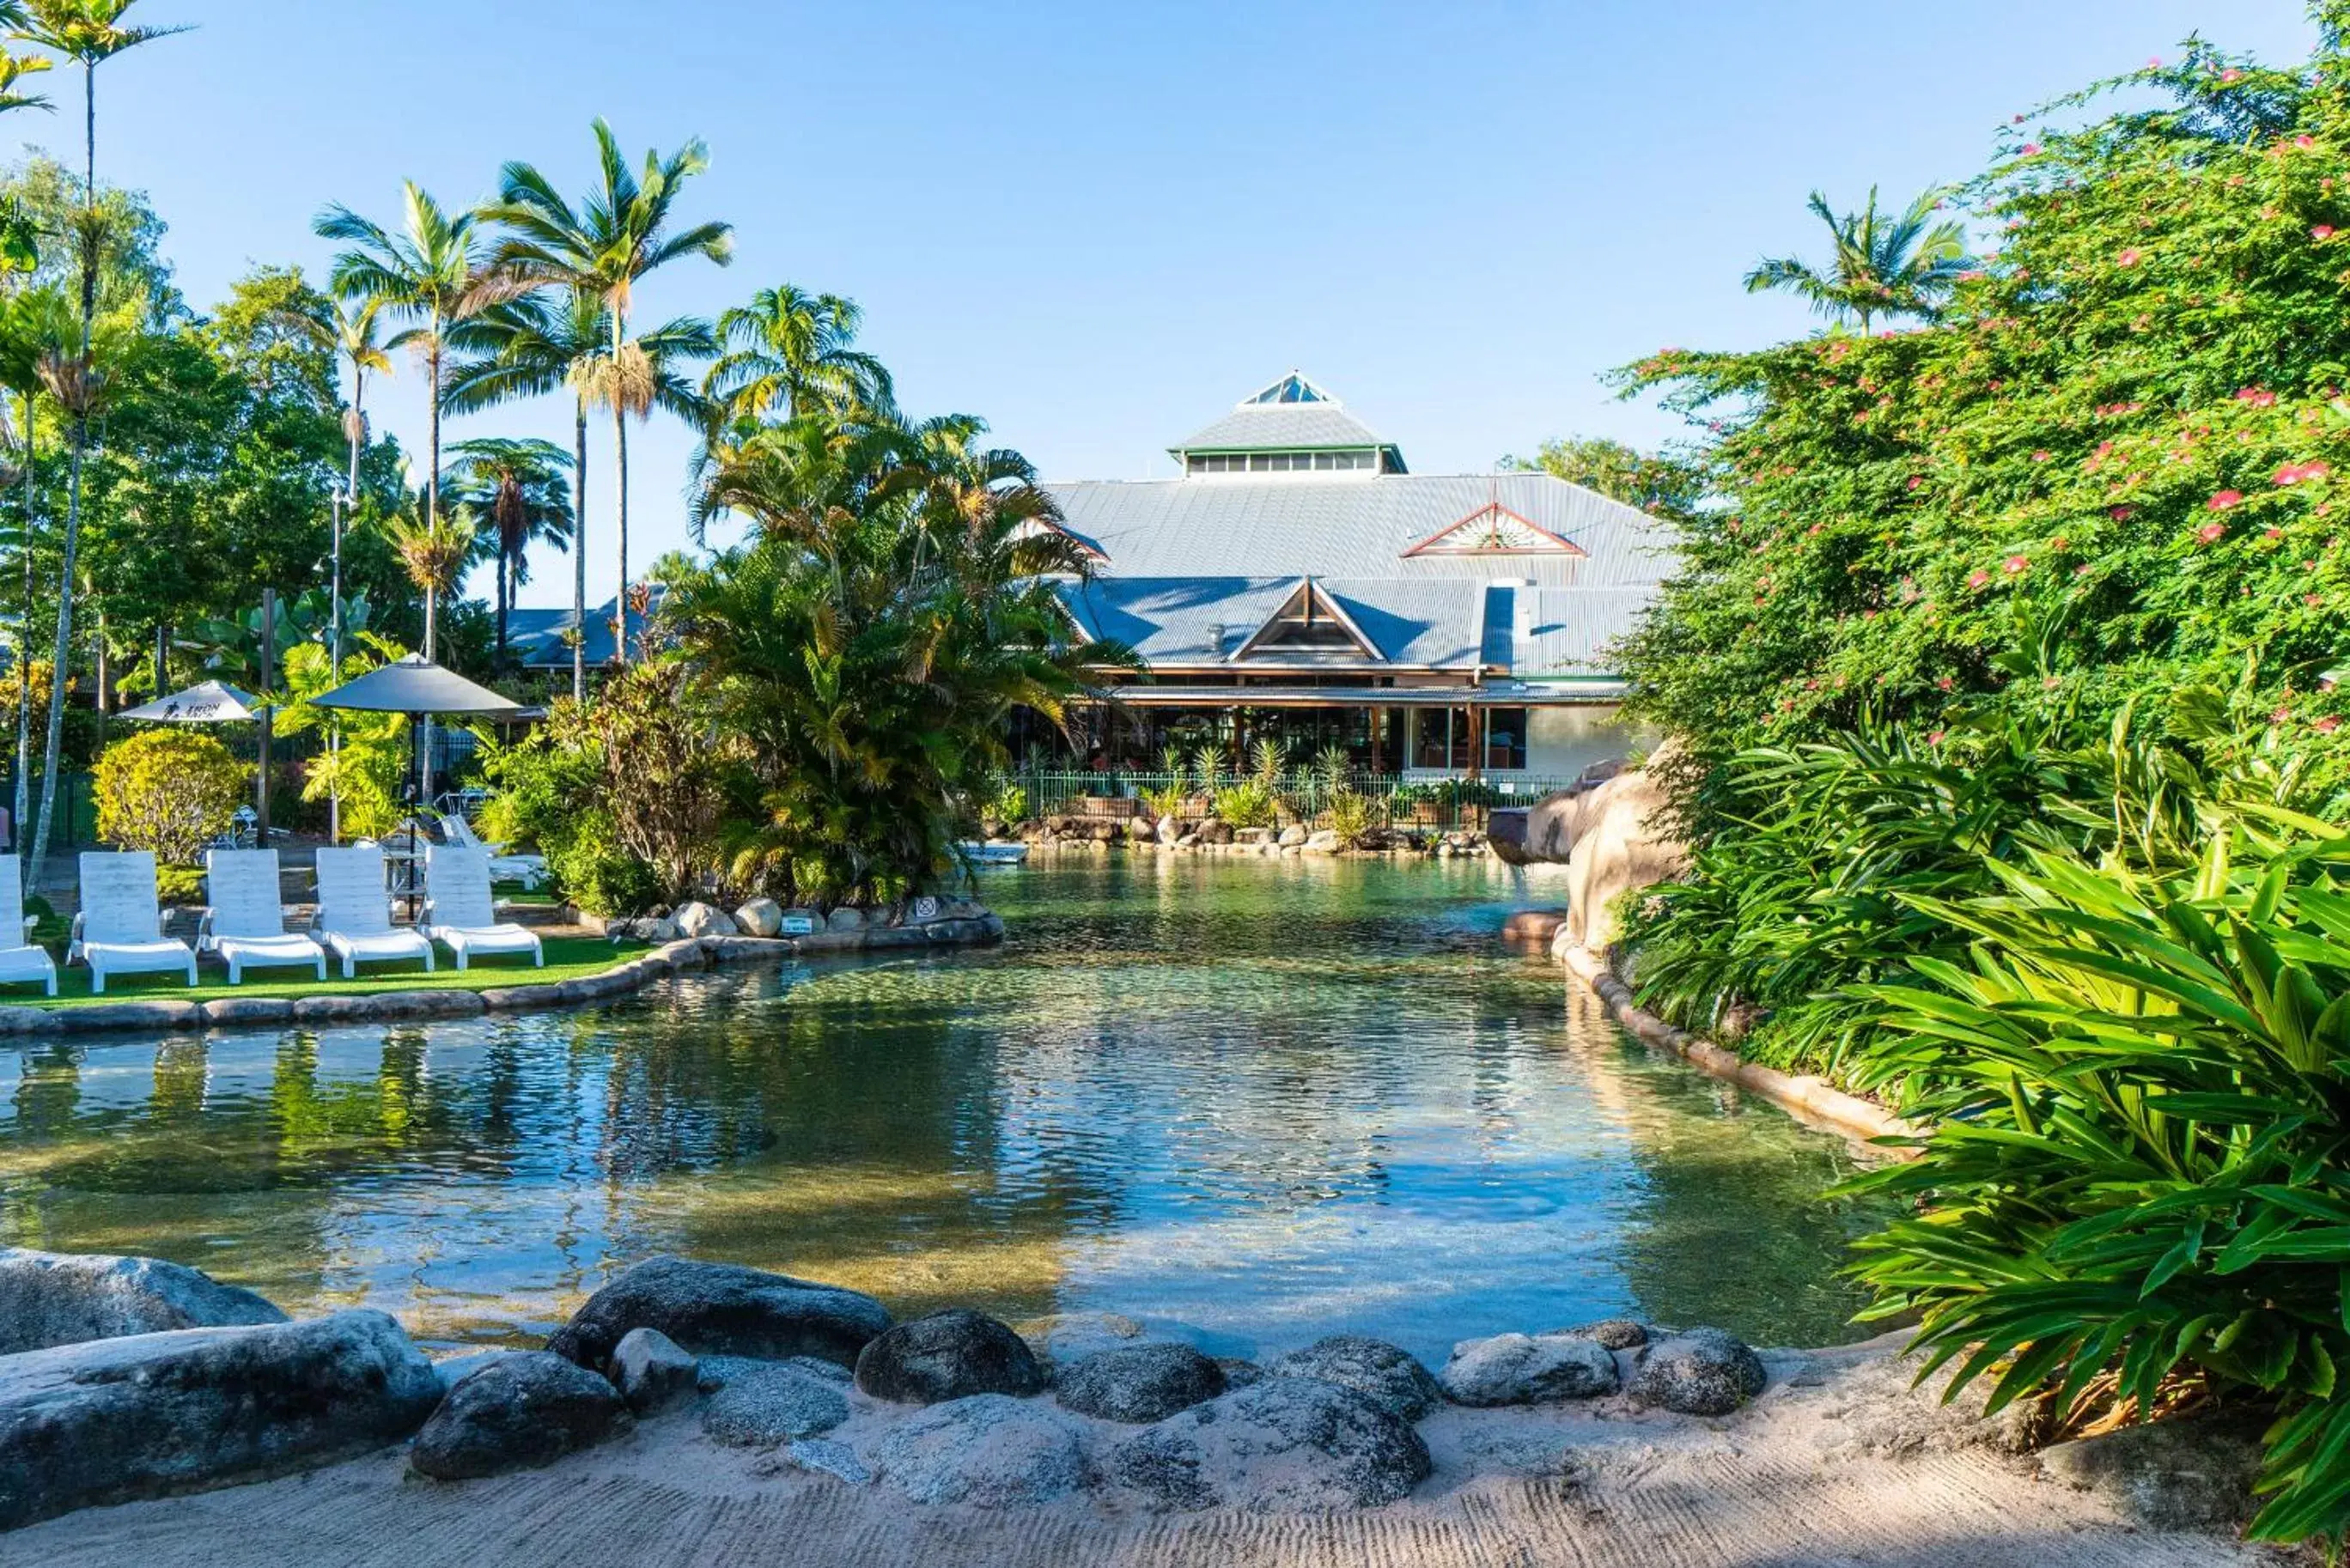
{"x": 1099, "y": 224}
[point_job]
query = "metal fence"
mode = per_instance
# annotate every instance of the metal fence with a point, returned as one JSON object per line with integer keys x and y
{"x": 1391, "y": 800}
{"x": 77, "y": 809}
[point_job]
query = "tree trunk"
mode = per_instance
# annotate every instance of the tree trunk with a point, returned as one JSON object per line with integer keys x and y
{"x": 621, "y": 494}
{"x": 63, "y": 643}
{"x": 580, "y": 554}
{"x": 23, "y": 802}
{"x": 433, "y": 479}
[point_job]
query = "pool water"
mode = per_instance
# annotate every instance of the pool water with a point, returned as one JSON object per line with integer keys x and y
{"x": 1269, "y": 1099}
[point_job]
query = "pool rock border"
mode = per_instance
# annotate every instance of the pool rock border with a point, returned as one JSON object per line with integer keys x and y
{"x": 1812, "y": 1099}
{"x": 972, "y": 926}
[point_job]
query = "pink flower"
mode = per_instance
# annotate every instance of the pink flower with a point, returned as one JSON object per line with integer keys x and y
{"x": 2304, "y": 142}
{"x": 2279, "y": 715}
{"x": 2032, "y": 150}
{"x": 2312, "y": 600}
{"x": 2272, "y": 534}
{"x": 2328, "y": 725}
{"x": 2257, "y": 397}
{"x": 2082, "y": 570}
{"x": 2121, "y": 513}
{"x": 1915, "y": 481}
{"x": 2230, "y": 75}
{"x": 2322, "y": 232}
{"x": 2211, "y": 533}
{"x": 2225, "y": 499}
{"x": 2127, "y": 259}
{"x": 2014, "y": 564}
{"x": 2040, "y": 456}
{"x": 2049, "y": 683}
{"x": 1944, "y": 682}
{"x": 1977, "y": 577}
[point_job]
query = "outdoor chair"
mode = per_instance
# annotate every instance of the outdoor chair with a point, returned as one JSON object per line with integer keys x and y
{"x": 121, "y": 928}
{"x": 459, "y": 912}
{"x": 18, "y": 964}
{"x": 353, "y": 918}
{"x": 244, "y": 921}
{"x": 530, "y": 870}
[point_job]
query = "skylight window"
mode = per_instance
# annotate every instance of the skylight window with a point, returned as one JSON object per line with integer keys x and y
{"x": 1292, "y": 389}
{"x": 1279, "y": 461}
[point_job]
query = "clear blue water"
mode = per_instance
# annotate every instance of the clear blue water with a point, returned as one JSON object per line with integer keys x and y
{"x": 1268, "y": 1099}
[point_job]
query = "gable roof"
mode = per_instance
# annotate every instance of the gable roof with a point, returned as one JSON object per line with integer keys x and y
{"x": 1193, "y": 622}
{"x": 1309, "y": 600}
{"x": 1293, "y": 414}
{"x": 1494, "y": 530}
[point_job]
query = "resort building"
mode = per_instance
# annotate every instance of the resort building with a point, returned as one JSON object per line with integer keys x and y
{"x": 1297, "y": 581}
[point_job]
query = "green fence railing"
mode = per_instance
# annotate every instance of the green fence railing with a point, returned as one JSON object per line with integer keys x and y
{"x": 1392, "y": 800}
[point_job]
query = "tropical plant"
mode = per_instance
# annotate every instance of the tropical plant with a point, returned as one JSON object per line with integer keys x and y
{"x": 2135, "y": 1172}
{"x": 430, "y": 274}
{"x": 171, "y": 790}
{"x": 1266, "y": 762}
{"x": 36, "y": 325}
{"x": 363, "y": 775}
{"x": 89, "y": 32}
{"x": 527, "y": 347}
{"x": 433, "y": 552}
{"x": 791, "y": 353}
{"x": 1660, "y": 485}
{"x": 1251, "y": 803}
{"x": 1351, "y": 816}
{"x": 1881, "y": 265}
{"x": 1207, "y": 767}
{"x": 518, "y": 484}
{"x": 618, "y": 234}
{"x": 671, "y": 778}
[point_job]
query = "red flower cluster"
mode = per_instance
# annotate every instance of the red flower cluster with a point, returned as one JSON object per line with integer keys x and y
{"x": 2211, "y": 533}
{"x": 2257, "y": 397}
{"x": 2225, "y": 499}
{"x": 2296, "y": 472}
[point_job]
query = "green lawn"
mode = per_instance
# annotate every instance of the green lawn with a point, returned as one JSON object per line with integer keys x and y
{"x": 567, "y": 958}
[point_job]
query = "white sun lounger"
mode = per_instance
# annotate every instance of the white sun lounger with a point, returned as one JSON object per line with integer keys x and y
{"x": 530, "y": 870}
{"x": 28, "y": 962}
{"x": 355, "y": 913}
{"x": 121, "y": 928}
{"x": 245, "y": 921}
{"x": 458, "y": 910}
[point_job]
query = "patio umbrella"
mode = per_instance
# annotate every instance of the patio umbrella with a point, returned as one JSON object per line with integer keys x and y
{"x": 206, "y": 703}
{"x": 418, "y": 687}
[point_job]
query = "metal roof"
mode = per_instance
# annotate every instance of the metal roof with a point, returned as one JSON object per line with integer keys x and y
{"x": 1282, "y": 427}
{"x": 536, "y": 635}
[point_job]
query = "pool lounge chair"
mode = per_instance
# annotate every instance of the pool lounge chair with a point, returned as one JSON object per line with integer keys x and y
{"x": 354, "y": 917}
{"x": 121, "y": 928}
{"x": 28, "y": 962}
{"x": 459, "y": 912}
{"x": 244, "y": 921}
{"x": 530, "y": 870}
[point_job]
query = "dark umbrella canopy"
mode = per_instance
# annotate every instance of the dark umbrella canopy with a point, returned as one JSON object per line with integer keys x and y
{"x": 415, "y": 685}
{"x": 206, "y": 703}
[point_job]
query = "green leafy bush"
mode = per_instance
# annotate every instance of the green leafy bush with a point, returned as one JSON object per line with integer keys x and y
{"x": 594, "y": 872}
{"x": 2138, "y": 1170}
{"x": 1251, "y": 803}
{"x": 1350, "y": 816}
{"x": 171, "y": 790}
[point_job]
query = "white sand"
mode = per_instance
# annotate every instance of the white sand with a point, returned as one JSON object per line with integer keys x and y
{"x": 1835, "y": 1464}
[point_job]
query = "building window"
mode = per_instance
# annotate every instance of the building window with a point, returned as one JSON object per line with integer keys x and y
{"x": 1278, "y": 461}
{"x": 1505, "y": 737}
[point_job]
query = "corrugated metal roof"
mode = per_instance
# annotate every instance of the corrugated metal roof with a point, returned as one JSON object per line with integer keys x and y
{"x": 1571, "y": 630}
{"x": 1191, "y": 621}
{"x": 1357, "y": 527}
{"x": 1282, "y": 427}
{"x": 536, "y": 635}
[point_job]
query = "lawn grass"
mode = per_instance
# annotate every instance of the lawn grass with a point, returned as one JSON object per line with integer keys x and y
{"x": 567, "y": 958}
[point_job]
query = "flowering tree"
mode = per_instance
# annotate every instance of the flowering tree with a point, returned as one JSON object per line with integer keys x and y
{"x": 2115, "y": 451}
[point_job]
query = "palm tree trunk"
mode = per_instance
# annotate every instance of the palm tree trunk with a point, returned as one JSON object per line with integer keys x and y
{"x": 579, "y": 553}
{"x": 62, "y": 645}
{"x": 621, "y": 494}
{"x": 432, "y": 479}
{"x": 23, "y": 802}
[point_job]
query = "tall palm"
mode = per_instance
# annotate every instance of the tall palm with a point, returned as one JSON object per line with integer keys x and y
{"x": 431, "y": 276}
{"x": 527, "y": 347}
{"x": 1882, "y": 266}
{"x": 618, "y": 234}
{"x": 35, "y": 325}
{"x": 519, "y": 486}
{"x": 793, "y": 352}
{"x": 89, "y": 32}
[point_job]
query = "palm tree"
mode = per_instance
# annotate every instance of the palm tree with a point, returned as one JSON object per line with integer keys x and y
{"x": 617, "y": 236}
{"x": 524, "y": 348}
{"x": 518, "y": 484}
{"x": 789, "y": 350}
{"x": 1883, "y": 265}
{"x": 35, "y": 325}
{"x": 431, "y": 275}
{"x": 645, "y": 374}
{"x": 90, "y": 33}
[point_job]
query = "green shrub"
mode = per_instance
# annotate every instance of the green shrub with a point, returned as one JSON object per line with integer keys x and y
{"x": 2137, "y": 1169}
{"x": 1350, "y": 817}
{"x": 594, "y": 872}
{"x": 180, "y": 884}
{"x": 1248, "y": 803}
{"x": 1166, "y": 801}
{"x": 170, "y": 791}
